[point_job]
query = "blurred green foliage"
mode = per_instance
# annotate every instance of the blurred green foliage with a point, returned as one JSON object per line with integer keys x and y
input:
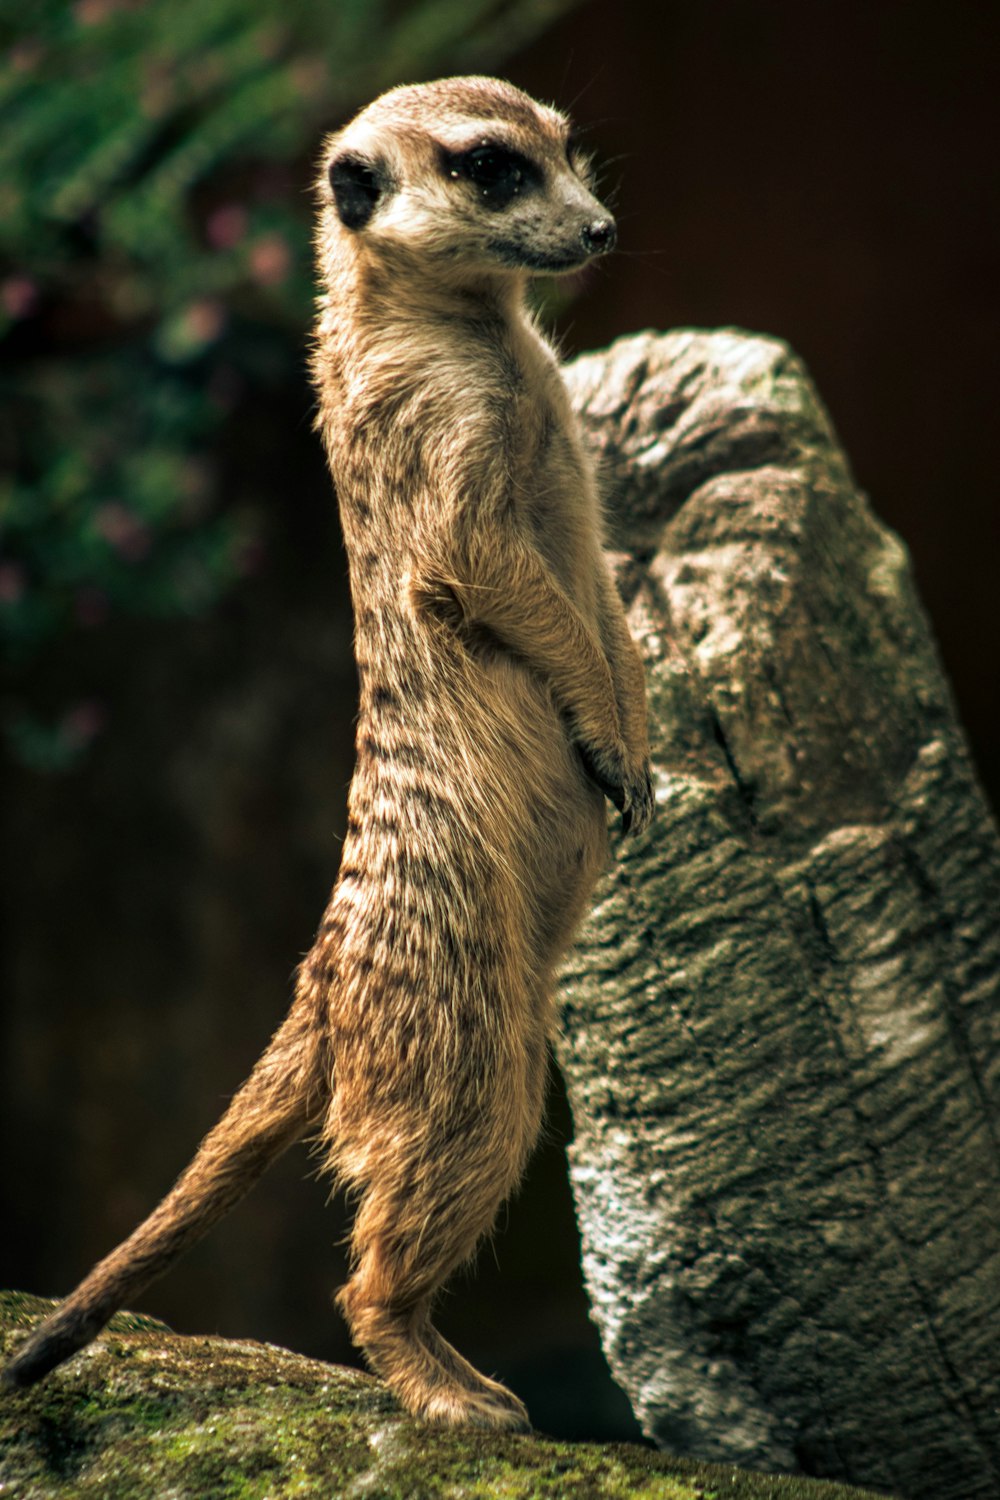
{"x": 154, "y": 264}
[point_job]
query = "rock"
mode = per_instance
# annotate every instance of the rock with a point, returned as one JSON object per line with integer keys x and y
{"x": 780, "y": 1029}
{"x": 146, "y": 1414}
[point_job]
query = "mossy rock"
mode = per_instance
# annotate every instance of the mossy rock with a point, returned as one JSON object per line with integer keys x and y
{"x": 145, "y": 1412}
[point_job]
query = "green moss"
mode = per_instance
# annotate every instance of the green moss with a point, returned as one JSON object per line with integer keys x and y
{"x": 145, "y": 1413}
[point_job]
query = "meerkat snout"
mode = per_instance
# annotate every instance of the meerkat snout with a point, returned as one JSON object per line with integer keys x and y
{"x": 599, "y": 237}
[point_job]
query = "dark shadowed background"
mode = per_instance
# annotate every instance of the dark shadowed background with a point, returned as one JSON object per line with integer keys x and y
{"x": 178, "y": 688}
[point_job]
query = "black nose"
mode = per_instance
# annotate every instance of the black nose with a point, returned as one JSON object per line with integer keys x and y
{"x": 599, "y": 236}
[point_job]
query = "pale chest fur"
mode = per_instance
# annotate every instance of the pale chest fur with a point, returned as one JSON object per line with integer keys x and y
{"x": 441, "y": 425}
{"x": 554, "y": 491}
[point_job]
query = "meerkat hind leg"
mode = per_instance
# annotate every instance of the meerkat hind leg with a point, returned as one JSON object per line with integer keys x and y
{"x": 413, "y": 1229}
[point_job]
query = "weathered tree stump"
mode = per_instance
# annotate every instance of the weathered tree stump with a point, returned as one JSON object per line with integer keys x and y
{"x": 780, "y": 1031}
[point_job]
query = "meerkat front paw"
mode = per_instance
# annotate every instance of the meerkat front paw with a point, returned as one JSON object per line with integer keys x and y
{"x": 637, "y": 812}
{"x": 625, "y": 782}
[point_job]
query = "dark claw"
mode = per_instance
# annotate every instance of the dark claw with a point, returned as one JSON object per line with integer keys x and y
{"x": 613, "y": 790}
{"x": 632, "y": 795}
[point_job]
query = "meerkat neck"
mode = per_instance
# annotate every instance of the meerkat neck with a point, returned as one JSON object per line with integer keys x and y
{"x": 421, "y": 296}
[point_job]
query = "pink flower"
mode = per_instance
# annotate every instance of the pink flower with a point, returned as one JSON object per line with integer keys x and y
{"x": 270, "y": 259}
{"x": 124, "y": 531}
{"x": 204, "y": 320}
{"x": 11, "y": 583}
{"x": 83, "y": 722}
{"x": 226, "y": 226}
{"x": 311, "y": 76}
{"x": 25, "y": 55}
{"x": 19, "y": 295}
{"x": 93, "y": 12}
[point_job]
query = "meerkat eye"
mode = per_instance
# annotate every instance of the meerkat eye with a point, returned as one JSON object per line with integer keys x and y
{"x": 499, "y": 173}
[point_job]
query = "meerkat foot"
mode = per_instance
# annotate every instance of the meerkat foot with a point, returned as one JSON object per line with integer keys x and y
{"x": 432, "y": 1389}
{"x": 429, "y": 1377}
{"x": 469, "y": 1399}
{"x": 494, "y": 1407}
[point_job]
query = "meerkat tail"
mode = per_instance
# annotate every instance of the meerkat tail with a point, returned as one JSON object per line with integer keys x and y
{"x": 281, "y": 1099}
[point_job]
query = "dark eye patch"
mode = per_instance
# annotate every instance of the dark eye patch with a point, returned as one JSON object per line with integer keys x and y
{"x": 357, "y": 187}
{"x": 498, "y": 173}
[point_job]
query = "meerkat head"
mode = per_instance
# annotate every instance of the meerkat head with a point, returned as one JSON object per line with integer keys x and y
{"x": 465, "y": 177}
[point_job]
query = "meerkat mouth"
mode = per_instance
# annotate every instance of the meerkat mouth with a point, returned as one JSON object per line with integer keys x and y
{"x": 520, "y": 257}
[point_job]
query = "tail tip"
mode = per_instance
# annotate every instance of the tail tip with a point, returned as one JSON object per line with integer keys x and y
{"x": 16, "y": 1375}
{"x": 32, "y": 1361}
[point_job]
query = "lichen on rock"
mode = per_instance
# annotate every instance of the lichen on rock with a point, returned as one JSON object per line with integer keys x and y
{"x": 146, "y": 1414}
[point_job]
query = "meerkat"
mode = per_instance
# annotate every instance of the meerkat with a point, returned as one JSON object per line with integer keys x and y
{"x": 501, "y": 699}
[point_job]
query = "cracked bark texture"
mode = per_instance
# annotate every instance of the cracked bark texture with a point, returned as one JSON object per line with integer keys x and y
{"x": 780, "y": 1033}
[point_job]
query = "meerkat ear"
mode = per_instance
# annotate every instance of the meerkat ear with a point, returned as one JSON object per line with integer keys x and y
{"x": 357, "y": 187}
